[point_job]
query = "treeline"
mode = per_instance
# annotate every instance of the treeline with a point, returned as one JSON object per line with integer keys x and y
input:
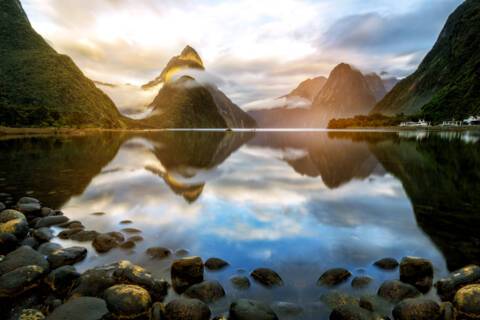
{"x": 370, "y": 121}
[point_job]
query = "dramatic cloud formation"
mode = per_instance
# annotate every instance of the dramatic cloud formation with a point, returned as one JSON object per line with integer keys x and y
{"x": 261, "y": 49}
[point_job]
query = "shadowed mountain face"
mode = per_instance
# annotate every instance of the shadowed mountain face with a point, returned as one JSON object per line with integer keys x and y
{"x": 55, "y": 169}
{"x": 308, "y": 89}
{"x": 187, "y": 103}
{"x": 376, "y": 85}
{"x": 447, "y": 83}
{"x": 39, "y": 87}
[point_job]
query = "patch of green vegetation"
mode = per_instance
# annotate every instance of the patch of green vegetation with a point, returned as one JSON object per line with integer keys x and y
{"x": 372, "y": 121}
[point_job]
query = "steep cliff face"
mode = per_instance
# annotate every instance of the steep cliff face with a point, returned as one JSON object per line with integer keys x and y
{"x": 376, "y": 85}
{"x": 308, "y": 89}
{"x": 345, "y": 94}
{"x": 39, "y": 87}
{"x": 447, "y": 83}
{"x": 184, "y": 102}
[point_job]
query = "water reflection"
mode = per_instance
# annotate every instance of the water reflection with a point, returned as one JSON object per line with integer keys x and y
{"x": 297, "y": 202}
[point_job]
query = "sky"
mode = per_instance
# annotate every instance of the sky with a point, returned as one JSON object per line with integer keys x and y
{"x": 257, "y": 49}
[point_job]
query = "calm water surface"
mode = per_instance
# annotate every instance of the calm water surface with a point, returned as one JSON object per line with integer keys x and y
{"x": 297, "y": 202}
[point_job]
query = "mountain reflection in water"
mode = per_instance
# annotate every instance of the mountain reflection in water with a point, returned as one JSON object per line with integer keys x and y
{"x": 299, "y": 202}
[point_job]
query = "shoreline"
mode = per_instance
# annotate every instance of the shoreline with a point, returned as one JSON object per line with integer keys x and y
{"x": 42, "y": 272}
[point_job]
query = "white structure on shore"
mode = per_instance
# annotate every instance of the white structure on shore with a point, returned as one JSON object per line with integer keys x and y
{"x": 420, "y": 123}
{"x": 451, "y": 123}
{"x": 472, "y": 121}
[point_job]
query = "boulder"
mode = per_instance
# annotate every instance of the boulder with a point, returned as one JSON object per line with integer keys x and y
{"x": 10, "y": 214}
{"x": 267, "y": 277}
{"x": 333, "y": 277}
{"x": 105, "y": 242}
{"x": 417, "y": 272}
{"x": 48, "y": 248}
{"x": 215, "y": 264}
{"x": 396, "y": 291}
{"x": 31, "y": 314}
{"x": 128, "y": 301}
{"x": 207, "y": 291}
{"x": 240, "y": 282}
{"x": 467, "y": 302}
{"x": 62, "y": 279}
{"x": 43, "y": 234}
{"x": 418, "y": 309}
{"x": 8, "y": 242}
{"x": 361, "y": 282}
{"x": 82, "y": 308}
{"x": 387, "y": 264}
{"x": 244, "y": 309}
{"x": 50, "y": 221}
{"x": 14, "y": 222}
{"x": 186, "y": 272}
{"x": 21, "y": 257}
{"x": 158, "y": 252}
{"x": 447, "y": 287}
{"x": 67, "y": 256}
{"x": 21, "y": 279}
{"x": 28, "y": 205}
{"x": 187, "y": 309}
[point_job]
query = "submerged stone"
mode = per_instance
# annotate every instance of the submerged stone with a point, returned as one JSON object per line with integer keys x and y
{"x": 361, "y": 282}
{"x": 207, "y": 291}
{"x": 240, "y": 282}
{"x": 417, "y": 272}
{"x": 215, "y": 264}
{"x": 186, "y": 272}
{"x": 387, "y": 264}
{"x": 396, "y": 291}
{"x": 158, "y": 252}
{"x": 245, "y": 309}
{"x": 104, "y": 243}
{"x": 267, "y": 277}
{"x": 334, "y": 277}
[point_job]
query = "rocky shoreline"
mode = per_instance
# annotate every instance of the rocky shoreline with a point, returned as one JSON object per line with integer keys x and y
{"x": 38, "y": 280}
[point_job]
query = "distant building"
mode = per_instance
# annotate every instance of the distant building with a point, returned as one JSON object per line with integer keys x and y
{"x": 472, "y": 121}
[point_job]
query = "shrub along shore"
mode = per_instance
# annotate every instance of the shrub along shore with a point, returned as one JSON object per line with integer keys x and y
{"x": 38, "y": 280}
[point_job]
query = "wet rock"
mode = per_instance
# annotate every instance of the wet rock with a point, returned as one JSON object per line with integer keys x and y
{"x": 128, "y": 245}
{"x": 396, "y": 291}
{"x": 14, "y": 222}
{"x": 135, "y": 238}
{"x": 83, "y": 308}
{"x": 335, "y": 299}
{"x": 447, "y": 310}
{"x": 333, "y": 277}
{"x": 67, "y": 256}
{"x": 98, "y": 214}
{"x": 8, "y": 242}
{"x": 94, "y": 282}
{"x": 158, "y": 252}
{"x": 131, "y": 230}
{"x": 387, "y": 264}
{"x": 30, "y": 242}
{"x": 187, "y": 309}
{"x": 84, "y": 235}
{"x": 48, "y": 248}
{"x": 21, "y": 279}
{"x": 50, "y": 221}
{"x": 31, "y": 314}
{"x": 158, "y": 310}
{"x": 186, "y": 272}
{"x": 287, "y": 308}
{"x": 10, "y": 214}
{"x": 418, "y": 309}
{"x": 72, "y": 224}
{"x": 467, "y": 302}
{"x": 240, "y": 282}
{"x": 104, "y": 243}
{"x": 21, "y": 257}
{"x": 128, "y": 301}
{"x": 207, "y": 291}
{"x": 43, "y": 234}
{"x": 417, "y": 272}
{"x": 267, "y": 277}
{"x": 351, "y": 312}
{"x": 117, "y": 235}
{"x": 67, "y": 234}
{"x": 62, "y": 279}
{"x": 126, "y": 222}
{"x": 28, "y": 205}
{"x": 375, "y": 304}
{"x": 215, "y": 264}
{"x": 447, "y": 287}
{"x": 182, "y": 252}
{"x": 44, "y": 211}
{"x": 244, "y": 309}
{"x": 361, "y": 282}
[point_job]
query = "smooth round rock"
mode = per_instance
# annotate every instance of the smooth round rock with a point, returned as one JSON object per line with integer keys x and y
{"x": 267, "y": 277}
{"x": 396, "y": 291}
{"x": 245, "y": 309}
{"x": 66, "y": 234}
{"x": 467, "y": 302}
{"x": 20, "y": 280}
{"x": 128, "y": 245}
{"x": 417, "y": 272}
{"x": 48, "y": 248}
{"x": 158, "y": 310}
{"x": 418, "y": 309}
{"x": 447, "y": 287}
{"x": 30, "y": 242}
{"x": 8, "y": 242}
{"x": 334, "y": 277}
{"x": 104, "y": 243}
{"x": 158, "y": 252}
{"x": 28, "y": 204}
{"x": 21, "y": 257}
{"x": 216, "y": 264}
{"x": 240, "y": 282}
{"x": 14, "y": 222}
{"x": 67, "y": 256}
{"x": 10, "y": 214}
{"x": 350, "y": 312}
{"x": 186, "y": 272}
{"x": 84, "y": 235}
{"x": 82, "y": 308}
{"x": 62, "y": 279}
{"x": 187, "y": 309}
{"x": 386, "y": 264}
{"x": 361, "y": 282}
{"x": 130, "y": 301}
{"x": 50, "y": 221}
{"x": 207, "y": 291}
{"x": 135, "y": 238}
{"x": 43, "y": 234}
{"x": 31, "y": 314}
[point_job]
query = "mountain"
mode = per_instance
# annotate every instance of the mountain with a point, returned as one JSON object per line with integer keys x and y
{"x": 346, "y": 93}
{"x": 376, "y": 85}
{"x": 39, "y": 87}
{"x": 447, "y": 83}
{"x": 390, "y": 83}
{"x": 308, "y": 89}
{"x": 188, "y": 103}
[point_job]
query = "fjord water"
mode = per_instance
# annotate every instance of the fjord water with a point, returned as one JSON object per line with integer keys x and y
{"x": 296, "y": 202}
